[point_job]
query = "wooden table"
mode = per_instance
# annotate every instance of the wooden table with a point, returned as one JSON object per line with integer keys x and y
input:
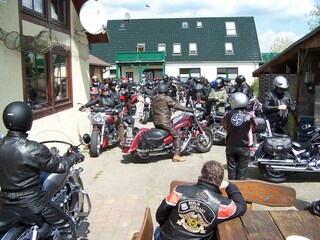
{"x": 271, "y": 225}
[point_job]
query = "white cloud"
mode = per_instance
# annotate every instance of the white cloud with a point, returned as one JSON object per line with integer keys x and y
{"x": 267, "y": 38}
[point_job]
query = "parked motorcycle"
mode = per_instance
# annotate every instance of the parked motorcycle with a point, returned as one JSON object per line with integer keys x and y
{"x": 103, "y": 130}
{"x": 148, "y": 142}
{"x": 65, "y": 190}
{"x": 146, "y": 114}
{"x": 277, "y": 156}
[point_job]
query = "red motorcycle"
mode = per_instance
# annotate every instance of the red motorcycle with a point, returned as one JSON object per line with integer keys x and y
{"x": 103, "y": 130}
{"x": 134, "y": 99}
{"x": 150, "y": 142}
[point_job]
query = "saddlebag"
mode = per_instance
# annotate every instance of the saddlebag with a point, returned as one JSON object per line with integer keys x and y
{"x": 277, "y": 145}
{"x": 153, "y": 138}
{"x": 261, "y": 125}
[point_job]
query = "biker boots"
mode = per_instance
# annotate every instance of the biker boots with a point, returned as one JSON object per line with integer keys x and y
{"x": 177, "y": 158}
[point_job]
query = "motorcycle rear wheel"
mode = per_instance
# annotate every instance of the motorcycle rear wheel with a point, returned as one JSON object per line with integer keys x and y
{"x": 273, "y": 176}
{"x": 204, "y": 141}
{"x": 95, "y": 146}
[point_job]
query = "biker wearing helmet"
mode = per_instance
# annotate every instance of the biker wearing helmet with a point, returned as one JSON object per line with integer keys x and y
{"x": 110, "y": 101}
{"x": 277, "y": 104}
{"x": 243, "y": 86}
{"x": 162, "y": 105}
{"x": 22, "y": 161}
{"x": 239, "y": 124}
{"x": 148, "y": 89}
{"x": 218, "y": 96}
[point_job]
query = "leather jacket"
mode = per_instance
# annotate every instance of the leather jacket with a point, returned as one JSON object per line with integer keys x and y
{"x": 161, "y": 105}
{"x": 270, "y": 105}
{"x": 245, "y": 88}
{"x": 193, "y": 212}
{"x": 239, "y": 125}
{"x": 110, "y": 101}
{"x": 21, "y": 161}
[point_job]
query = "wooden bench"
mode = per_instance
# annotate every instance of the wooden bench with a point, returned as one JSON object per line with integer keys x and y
{"x": 256, "y": 191}
{"x": 146, "y": 230}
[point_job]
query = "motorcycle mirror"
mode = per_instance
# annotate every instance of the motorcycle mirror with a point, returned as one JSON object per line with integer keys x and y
{"x": 86, "y": 138}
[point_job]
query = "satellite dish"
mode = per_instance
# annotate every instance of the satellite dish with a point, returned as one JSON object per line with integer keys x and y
{"x": 93, "y": 17}
{"x": 127, "y": 16}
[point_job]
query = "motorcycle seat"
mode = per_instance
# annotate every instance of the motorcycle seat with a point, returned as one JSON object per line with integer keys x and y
{"x": 156, "y": 134}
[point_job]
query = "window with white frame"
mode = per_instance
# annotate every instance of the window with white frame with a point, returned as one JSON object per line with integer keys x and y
{"x": 229, "y": 48}
{"x": 140, "y": 47}
{"x": 161, "y": 47}
{"x": 184, "y": 25}
{"x": 193, "y": 48}
{"x": 227, "y": 72}
{"x": 231, "y": 29}
{"x": 199, "y": 24}
{"x": 176, "y": 48}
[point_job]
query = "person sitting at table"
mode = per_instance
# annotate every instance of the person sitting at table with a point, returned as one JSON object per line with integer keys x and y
{"x": 194, "y": 211}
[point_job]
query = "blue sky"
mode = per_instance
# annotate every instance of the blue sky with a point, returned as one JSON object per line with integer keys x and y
{"x": 273, "y": 18}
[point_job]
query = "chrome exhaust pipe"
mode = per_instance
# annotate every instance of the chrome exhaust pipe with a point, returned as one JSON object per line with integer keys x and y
{"x": 295, "y": 169}
{"x": 275, "y": 161}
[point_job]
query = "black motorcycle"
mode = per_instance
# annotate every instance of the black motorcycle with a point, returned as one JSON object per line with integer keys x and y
{"x": 277, "y": 156}
{"x": 65, "y": 190}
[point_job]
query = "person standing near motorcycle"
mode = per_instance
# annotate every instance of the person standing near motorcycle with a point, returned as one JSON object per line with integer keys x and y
{"x": 277, "y": 104}
{"x": 218, "y": 96}
{"x": 109, "y": 99}
{"x": 162, "y": 105}
{"x": 194, "y": 211}
{"x": 239, "y": 124}
{"x": 243, "y": 86}
{"x": 126, "y": 89}
{"x": 22, "y": 161}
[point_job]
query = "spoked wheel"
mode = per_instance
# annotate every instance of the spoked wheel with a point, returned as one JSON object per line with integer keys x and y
{"x": 272, "y": 175}
{"x": 204, "y": 141}
{"x": 95, "y": 146}
{"x": 218, "y": 139}
{"x": 141, "y": 157}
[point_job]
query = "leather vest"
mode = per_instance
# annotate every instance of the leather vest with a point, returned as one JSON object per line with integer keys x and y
{"x": 194, "y": 216}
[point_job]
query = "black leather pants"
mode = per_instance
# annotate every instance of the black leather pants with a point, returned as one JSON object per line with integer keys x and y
{"x": 237, "y": 161}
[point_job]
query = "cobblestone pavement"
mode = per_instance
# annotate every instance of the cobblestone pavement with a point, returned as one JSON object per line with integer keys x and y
{"x": 121, "y": 188}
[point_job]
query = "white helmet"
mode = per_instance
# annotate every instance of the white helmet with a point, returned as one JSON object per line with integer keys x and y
{"x": 239, "y": 100}
{"x": 280, "y": 82}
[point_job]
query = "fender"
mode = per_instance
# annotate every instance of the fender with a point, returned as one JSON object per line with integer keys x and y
{"x": 135, "y": 142}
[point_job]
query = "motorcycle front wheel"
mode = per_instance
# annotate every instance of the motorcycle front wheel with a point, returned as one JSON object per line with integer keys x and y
{"x": 218, "y": 139}
{"x": 204, "y": 141}
{"x": 75, "y": 204}
{"x": 271, "y": 175}
{"x": 145, "y": 117}
{"x": 95, "y": 146}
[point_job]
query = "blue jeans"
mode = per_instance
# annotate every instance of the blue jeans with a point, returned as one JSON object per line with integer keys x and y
{"x": 156, "y": 233}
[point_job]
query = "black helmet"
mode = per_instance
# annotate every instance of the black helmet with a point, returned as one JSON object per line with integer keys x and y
{"x": 163, "y": 88}
{"x": 240, "y": 79}
{"x": 165, "y": 77}
{"x": 149, "y": 84}
{"x": 18, "y": 116}
{"x": 219, "y": 82}
{"x": 112, "y": 83}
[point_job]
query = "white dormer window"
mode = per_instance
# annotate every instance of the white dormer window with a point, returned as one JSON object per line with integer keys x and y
{"x": 184, "y": 25}
{"x": 229, "y": 48}
{"x": 176, "y": 48}
{"x": 192, "y": 48}
{"x": 161, "y": 47}
{"x": 231, "y": 29}
{"x": 140, "y": 47}
{"x": 199, "y": 24}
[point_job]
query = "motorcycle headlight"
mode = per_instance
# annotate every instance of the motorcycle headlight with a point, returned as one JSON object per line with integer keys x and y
{"x": 147, "y": 100}
{"x": 99, "y": 118}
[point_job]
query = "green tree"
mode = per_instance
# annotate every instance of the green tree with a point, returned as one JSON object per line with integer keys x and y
{"x": 255, "y": 87}
{"x": 279, "y": 44}
{"x": 314, "y": 17}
